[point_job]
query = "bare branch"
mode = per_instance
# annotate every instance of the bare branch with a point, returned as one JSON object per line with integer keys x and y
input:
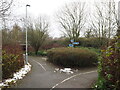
{"x": 5, "y": 6}
{"x": 72, "y": 19}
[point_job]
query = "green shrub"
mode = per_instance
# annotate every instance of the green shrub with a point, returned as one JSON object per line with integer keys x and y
{"x": 40, "y": 53}
{"x": 31, "y": 53}
{"x": 72, "y": 57}
{"x": 93, "y": 42}
{"x": 109, "y": 68}
{"x": 12, "y": 60}
{"x": 97, "y": 51}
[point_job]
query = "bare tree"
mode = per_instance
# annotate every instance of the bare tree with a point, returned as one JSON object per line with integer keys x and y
{"x": 72, "y": 19}
{"x": 37, "y": 33}
{"x": 5, "y": 6}
{"x": 88, "y": 33}
{"x": 12, "y": 36}
{"x": 105, "y": 22}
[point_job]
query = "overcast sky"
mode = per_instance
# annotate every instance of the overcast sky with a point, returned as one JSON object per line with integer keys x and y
{"x": 46, "y": 7}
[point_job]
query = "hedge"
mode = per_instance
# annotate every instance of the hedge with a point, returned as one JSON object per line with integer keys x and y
{"x": 109, "y": 68}
{"x": 40, "y": 53}
{"x": 93, "y": 42}
{"x": 72, "y": 57}
{"x": 12, "y": 60}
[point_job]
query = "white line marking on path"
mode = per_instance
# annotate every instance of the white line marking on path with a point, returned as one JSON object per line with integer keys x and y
{"x": 40, "y": 65}
{"x": 71, "y": 78}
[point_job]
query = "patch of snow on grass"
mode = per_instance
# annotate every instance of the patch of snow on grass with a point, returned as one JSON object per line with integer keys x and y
{"x": 44, "y": 58}
{"x": 56, "y": 69}
{"x": 65, "y": 70}
{"x": 2, "y": 84}
{"x": 17, "y": 76}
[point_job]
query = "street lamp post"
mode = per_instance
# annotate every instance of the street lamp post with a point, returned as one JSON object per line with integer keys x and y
{"x": 26, "y": 36}
{"x": 118, "y": 31}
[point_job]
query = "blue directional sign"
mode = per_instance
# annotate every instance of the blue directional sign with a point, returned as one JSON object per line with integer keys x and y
{"x": 72, "y": 40}
{"x": 70, "y": 45}
{"x": 75, "y": 42}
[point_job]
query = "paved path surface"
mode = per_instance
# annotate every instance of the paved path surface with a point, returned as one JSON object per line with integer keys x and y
{"x": 0, "y": 72}
{"x": 0, "y": 61}
{"x": 43, "y": 75}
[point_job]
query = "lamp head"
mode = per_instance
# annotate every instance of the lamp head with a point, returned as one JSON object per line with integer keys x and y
{"x": 28, "y": 5}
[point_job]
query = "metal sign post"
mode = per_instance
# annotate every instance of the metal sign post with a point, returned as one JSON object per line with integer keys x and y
{"x": 73, "y": 43}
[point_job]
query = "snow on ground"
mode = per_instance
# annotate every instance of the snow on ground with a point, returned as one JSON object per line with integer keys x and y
{"x": 65, "y": 70}
{"x": 44, "y": 58}
{"x": 17, "y": 76}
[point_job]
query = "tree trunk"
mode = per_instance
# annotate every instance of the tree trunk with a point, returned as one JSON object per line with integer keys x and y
{"x": 36, "y": 51}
